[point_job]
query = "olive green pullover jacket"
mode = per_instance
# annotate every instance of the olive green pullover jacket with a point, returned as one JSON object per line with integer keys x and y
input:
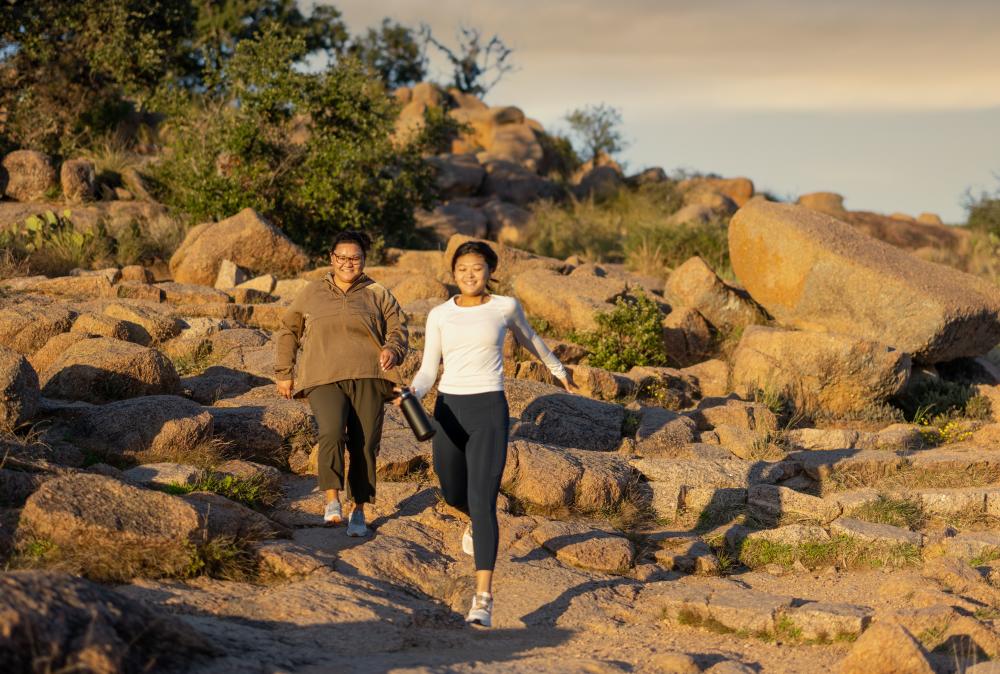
{"x": 329, "y": 335}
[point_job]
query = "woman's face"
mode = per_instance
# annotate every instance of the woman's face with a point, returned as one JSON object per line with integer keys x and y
{"x": 471, "y": 274}
{"x": 348, "y": 262}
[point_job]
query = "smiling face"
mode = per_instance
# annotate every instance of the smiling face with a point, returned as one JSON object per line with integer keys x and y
{"x": 348, "y": 262}
{"x": 471, "y": 274}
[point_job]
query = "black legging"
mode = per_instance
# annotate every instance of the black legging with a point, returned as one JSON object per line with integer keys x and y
{"x": 470, "y": 453}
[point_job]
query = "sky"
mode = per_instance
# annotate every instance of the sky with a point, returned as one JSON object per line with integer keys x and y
{"x": 894, "y": 104}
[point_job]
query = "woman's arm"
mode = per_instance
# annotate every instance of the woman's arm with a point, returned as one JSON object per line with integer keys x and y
{"x": 286, "y": 346}
{"x": 428, "y": 372}
{"x": 529, "y": 339}
{"x": 396, "y": 334}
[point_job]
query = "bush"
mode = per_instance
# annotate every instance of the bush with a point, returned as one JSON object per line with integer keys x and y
{"x": 631, "y": 334}
{"x": 343, "y": 172}
{"x": 49, "y": 243}
{"x": 933, "y": 397}
{"x": 984, "y": 212}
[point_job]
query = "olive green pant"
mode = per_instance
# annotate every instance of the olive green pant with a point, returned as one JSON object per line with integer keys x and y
{"x": 349, "y": 412}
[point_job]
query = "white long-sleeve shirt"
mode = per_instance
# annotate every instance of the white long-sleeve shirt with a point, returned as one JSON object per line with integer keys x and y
{"x": 471, "y": 341}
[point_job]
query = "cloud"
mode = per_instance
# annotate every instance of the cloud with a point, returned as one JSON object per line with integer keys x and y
{"x": 758, "y": 55}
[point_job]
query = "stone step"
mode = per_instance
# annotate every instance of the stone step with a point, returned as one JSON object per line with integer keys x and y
{"x": 953, "y": 466}
{"x": 725, "y": 606}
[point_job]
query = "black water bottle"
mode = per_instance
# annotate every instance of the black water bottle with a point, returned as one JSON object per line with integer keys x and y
{"x": 416, "y": 417}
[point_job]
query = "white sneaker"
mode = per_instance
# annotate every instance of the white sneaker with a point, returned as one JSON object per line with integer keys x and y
{"x": 481, "y": 613}
{"x": 356, "y": 526}
{"x": 467, "y": 545}
{"x": 333, "y": 513}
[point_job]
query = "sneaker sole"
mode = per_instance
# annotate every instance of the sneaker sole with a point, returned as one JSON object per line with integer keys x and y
{"x": 337, "y": 521}
{"x": 478, "y": 624}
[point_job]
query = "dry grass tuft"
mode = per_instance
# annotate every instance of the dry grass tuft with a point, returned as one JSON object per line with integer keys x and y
{"x": 207, "y": 454}
{"x": 845, "y": 552}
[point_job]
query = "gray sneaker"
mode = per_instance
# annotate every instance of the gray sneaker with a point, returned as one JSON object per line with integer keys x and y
{"x": 481, "y": 613}
{"x": 356, "y": 526}
{"x": 333, "y": 513}
{"x": 468, "y": 547}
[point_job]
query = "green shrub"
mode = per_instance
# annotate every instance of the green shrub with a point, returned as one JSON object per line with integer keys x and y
{"x": 932, "y": 397}
{"x": 252, "y": 492}
{"x": 631, "y": 334}
{"x": 51, "y": 245}
{"x": 984, "y": 212}
{"x": 344, "y": 170}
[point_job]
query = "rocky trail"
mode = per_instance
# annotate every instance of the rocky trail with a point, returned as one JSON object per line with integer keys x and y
{"x": 158, "y": 505}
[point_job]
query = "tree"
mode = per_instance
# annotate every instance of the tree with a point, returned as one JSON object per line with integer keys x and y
{"x": 984, "y": 211}
{"x": 237, "y": 149}
{"x": 222, "y": 24}
{"x": 71, "y": 70}
{"x": 596, "y": 128}
{"x": 393, "y": 52}
{"x": 477, "y": 67}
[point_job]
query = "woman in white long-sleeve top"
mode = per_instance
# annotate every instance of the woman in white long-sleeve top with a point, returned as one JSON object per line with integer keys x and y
{"x": 470, "y": 448}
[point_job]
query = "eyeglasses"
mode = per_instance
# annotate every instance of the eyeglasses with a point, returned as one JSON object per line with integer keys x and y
{"x": 342, "y": 260}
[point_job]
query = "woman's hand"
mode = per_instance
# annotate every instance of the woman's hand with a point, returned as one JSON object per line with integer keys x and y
{"x": 398, "y": 400}
{"x": 387, "y": 359}
{"x": 569, "y": 384}
{"x": 285, "y": 387}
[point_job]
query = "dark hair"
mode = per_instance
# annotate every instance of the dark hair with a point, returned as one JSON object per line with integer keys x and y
{"x": 355, "y": 236}
{"x": 476, "y": 248}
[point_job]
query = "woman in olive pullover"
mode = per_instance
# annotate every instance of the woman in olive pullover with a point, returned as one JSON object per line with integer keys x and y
{"x": 338, "y": 338}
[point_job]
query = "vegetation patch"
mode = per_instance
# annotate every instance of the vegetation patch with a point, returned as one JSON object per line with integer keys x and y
{"x": 944, "y": 409}
{"x": 843, "y": 551}
{"x": 254, "y": 492}
{"x": 985, "y": 556}
{"x": 908, "y": 476}
{"x": 898, "y": 512}
{"x": 225, "y": 558}
{"x": 633, "y": 227}
{"x": 630, "y": 334}
{"x": 194, "y": 360}
{"x": 972, "y": 517}
{"x": 206, "y": 454}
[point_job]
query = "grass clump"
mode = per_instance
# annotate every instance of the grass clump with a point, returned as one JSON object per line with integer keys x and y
{"x": 193, "y": 361}
{"x": 109, "y": 561}
{"x": 904, "y": 513}
{"x": 985, "y": 556}
{"x": 254, "y": 492}
{"x": 633, "y": 227}
{"x": 206, "y": 454}
{"x": 843, "y": 551}
{"x": 690, "y": 618}
{"x": 908, "y": 476}
{"x": 630, "y": 334}
{"x": 971, "y": 517}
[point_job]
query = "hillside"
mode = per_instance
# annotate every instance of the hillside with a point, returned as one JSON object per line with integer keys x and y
{"x": 801, "y": 473}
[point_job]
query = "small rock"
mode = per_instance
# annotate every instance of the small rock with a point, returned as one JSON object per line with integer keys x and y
{"x": 747, "y": 610}
{"x": 874, "y": 533}
{"x": 581, "y": 545}
{"x": 827, "y": 621}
